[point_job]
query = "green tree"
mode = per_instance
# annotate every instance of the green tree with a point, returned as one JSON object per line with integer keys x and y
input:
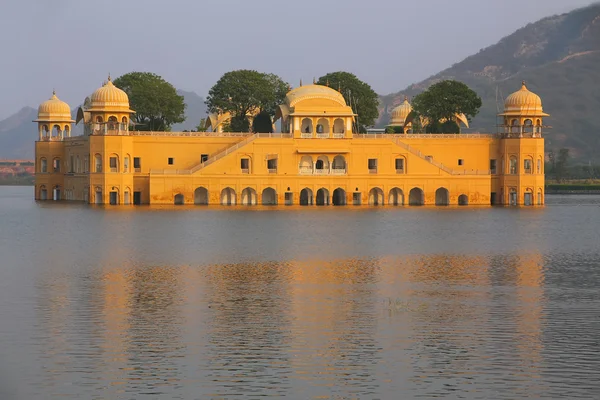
{"x": 358, "y": 95}
{"x": 442, "y": 101}
{"x": 262, "y": 123}
{"x": 239, "y": 123}
{"x": 155, "y": 101}
{"x": 244, "y": 92}
{"x": 201, "y": 126}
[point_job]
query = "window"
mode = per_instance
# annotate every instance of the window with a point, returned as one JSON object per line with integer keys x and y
{"x": 356, "y": 198}
{"x": 137, "y": 164}
{"x": 43, "y": 165}
{"x": 460, "y": 161}
{"x": 98, "y": 163}
{"x": 399, "y": 165}
{"x": 372, "y": 165}
{"x": 56, "y": 165}
{"x": 170, "y": 161}
{"x": 86, "y": 165}
{"x": 513, "y": 165}
{"x": 272, "y": 166}
{"x": 527, "y": 166}
{"x": 203, "y": 157}
{"x": 539, "y": 166}
{"x": 113, "y": 164}
{"x": 126, "y": 164}
{"x": 493, "y": 166}
{"x": 289, "y": 198}
{"x": 71, "y": 164}
{"x": 245, "y": 165}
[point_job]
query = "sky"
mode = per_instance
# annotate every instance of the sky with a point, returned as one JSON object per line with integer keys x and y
{"x": 72, "y": 45}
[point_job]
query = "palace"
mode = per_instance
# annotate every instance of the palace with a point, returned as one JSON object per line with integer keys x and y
{"x": 317, "y": 159}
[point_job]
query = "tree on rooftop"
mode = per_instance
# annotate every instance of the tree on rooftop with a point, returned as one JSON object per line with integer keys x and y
{"x": 155, "y": 101}
{"x": 442, "y": 102}
{"x": 358, "y": 95}
{"x": 246, "y": 92}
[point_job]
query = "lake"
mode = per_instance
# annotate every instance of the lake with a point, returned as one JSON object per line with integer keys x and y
{"x": 307, "y": 303}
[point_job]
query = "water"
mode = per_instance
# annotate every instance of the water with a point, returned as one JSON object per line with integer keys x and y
{"x": 321, "y": 303}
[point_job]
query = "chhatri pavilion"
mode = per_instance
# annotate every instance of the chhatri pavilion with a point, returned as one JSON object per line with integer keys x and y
{"x": 317, "y": 159}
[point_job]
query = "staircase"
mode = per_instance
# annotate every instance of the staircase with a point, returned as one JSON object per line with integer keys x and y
{"x": 441, "y": 166}
{"x": 222, "y": 154}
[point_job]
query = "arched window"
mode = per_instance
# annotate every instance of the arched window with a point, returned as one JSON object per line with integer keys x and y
{"x": 306, "y": 165}
{"x": 307, "y": 126}
{"x": 539, "y": 166}
{"x": 323, "y": 126}
{"x": 86, "y": 164}
{"x": 513, "y": 165}
{"x": 43, "y": 165}
{"x": 114, "y": 163}
{"x": 528, "y": 126}
{"x": 124, "y": 124}
{"x": 56, "y": 165}
{"x": 338, "y": 126}
{"x": 78, "y": 165}
{"x": 515, "y": 128}
{"x": 339, "y": 163}
{"x": 112, "y": 123}
{"x": 56, "y": 132}
{"x": 97, "y": 163}
{"x": 126, "y": 163}
{"x": 528, "y": 165}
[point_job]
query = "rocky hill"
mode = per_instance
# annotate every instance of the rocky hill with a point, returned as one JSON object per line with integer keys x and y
{"x": 18, "y": 132}
{"x": 558, "y": 57}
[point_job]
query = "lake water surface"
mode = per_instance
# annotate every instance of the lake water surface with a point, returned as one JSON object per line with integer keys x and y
{"x": 296, "y": 302}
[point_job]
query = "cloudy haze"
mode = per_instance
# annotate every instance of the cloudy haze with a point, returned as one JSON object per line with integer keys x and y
{"x": 72, "y": 45}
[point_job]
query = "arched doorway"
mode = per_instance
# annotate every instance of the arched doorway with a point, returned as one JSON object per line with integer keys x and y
{"x": 307, "y": 126}
{"x": 56, "y": 193}
{"x": 528, "y": 197}
{"x": 442, "y": 197}
{"x": 249, "y": 197}
{"x": 463, "y": 200}
{"x": 228, "y": 197}
{"x": 376, "y": 197}
{"x": 269, "y": 197}
{"x": 322, "y": 197}
{"x": 179, "y": 200}
{"x": 322, "y": 165}
{"x": 415, "y": 197}
{"x": 306, "y": 197}
{"x": 339, "y": 197}
{"x": 201, "y": 196}
{"x": 396, "y": 197}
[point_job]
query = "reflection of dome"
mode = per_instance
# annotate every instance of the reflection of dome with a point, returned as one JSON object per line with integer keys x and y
{"x": 313, "y": 92}
{"x": 109, "y": 98}
{"x": 400, "y": 113}
{"x": 523, "y": 102}
{"x": 54, "y": 110}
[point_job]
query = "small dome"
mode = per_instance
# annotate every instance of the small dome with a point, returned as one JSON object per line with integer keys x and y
{"x": 400, "y": 113}
{"x": 523, "y": 102}
{"x": 54, "y": 109}
{"x": 109, "y": 98}
{"x": 312, "y": 92}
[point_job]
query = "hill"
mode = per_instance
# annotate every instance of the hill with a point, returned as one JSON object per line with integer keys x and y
{"x": 18, "y": 132}
{"x": 558, "y": 57}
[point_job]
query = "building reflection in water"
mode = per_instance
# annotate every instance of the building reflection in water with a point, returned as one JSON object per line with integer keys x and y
{"x": 334, "y": 329}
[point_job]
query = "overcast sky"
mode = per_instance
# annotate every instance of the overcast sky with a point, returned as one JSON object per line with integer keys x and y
{"x": 72, "y": 45}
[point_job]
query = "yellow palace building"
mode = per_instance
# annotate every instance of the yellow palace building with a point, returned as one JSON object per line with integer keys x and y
{"x": 316, "y": 160}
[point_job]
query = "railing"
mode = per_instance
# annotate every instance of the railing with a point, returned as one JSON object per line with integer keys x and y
{"x": 305, "y": 135}
{"x": 272, "y": 170}
{"x": 426, "y": 135}
{"x": 322, "y": 171}
{"x": 338, "y": 135}
{"x": 372, "y": 170}
{"x": 137, "y": 170}
{"x": 223, "y": 153}
{"x": 190, "y": 134}
{"x": 338, "y": 171}
{"x": 323, "y": 135}
{"x": 245, "y": 170}
{"x": 305, "y": 170}
{"x": 400, "y": 171}
{"x": 113, "y": 170}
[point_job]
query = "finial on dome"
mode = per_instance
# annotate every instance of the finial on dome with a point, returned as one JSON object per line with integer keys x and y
{"x": 339, "y": 87}
{"x": 109, "y": 77}
{"x": 406, "y": 98}
{"x": 300, "y": 81}
{"x": 327, "y": 83}
{"x": 314, "y": 81}
{"x": 523, "y": 86}
{"x": 53, "y": 92}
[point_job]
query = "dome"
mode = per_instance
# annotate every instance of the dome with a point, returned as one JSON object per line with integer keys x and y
{"x": 109, "y": 98}
{"x": 523, "y": 102}
{"x": 400, "y": 113}
{"x": 54, "y": 109}
{"x": 313, "y": 92}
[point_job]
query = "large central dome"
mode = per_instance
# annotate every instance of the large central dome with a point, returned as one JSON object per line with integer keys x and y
{"x": 313, "y": 92}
